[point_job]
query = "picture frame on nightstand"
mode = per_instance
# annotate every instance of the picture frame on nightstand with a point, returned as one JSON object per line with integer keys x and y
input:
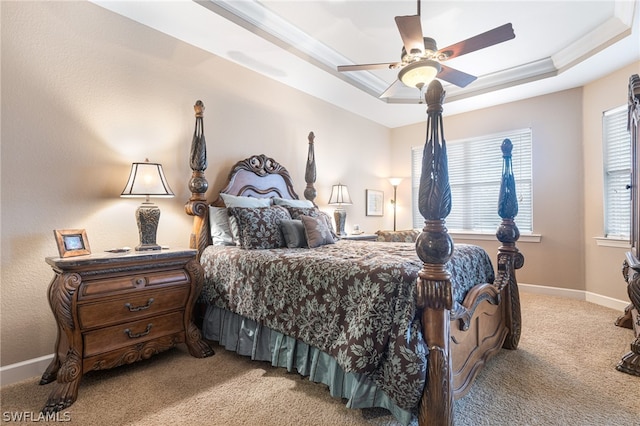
{"x": 72, "y": 242}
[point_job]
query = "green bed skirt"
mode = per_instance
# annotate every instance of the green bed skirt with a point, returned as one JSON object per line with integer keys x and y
{"x": 248, "y": 338}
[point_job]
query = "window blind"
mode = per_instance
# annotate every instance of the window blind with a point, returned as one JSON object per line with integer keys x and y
{"x": 475, "y": 173}
{"x": 616, "y": 142}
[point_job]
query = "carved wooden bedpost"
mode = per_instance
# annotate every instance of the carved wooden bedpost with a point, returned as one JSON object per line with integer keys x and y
{"x": 509, "y": 257}
{"x": 630, "y": 363}
{"x": 198, "y": 185}
{"x": 434, "y": 247}
{"x": 310, "y": 172}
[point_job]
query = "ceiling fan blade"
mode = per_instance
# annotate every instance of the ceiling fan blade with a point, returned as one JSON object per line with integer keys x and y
{"x": 364, "y": 67}
{"x": 391, "y": 90}
{"x": 489, "y": 38}
{"x": 411, "y": 32}
{"x": 453, "y": 76}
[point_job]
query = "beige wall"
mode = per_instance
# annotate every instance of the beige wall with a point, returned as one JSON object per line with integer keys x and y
{"x": 602, "y": 264}
{"x": 86, "y": 92}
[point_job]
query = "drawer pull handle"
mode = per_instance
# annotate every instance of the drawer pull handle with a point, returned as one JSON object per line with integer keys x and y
{"x": 139, "y": 308}
{"x": 142, "y": 334}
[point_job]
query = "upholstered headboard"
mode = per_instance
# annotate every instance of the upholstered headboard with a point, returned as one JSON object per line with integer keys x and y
{"x": 261, "y": 177}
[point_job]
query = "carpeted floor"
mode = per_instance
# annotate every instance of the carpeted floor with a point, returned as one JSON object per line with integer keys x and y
{"x": 562, "y": 374}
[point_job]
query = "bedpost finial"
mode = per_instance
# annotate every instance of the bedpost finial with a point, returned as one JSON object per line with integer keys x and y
{"x": 507, "y": 147}
{"x": 434, "y": 96}
{"x": 633, "y": 109}
{"x": 198, "y": 184}
{"x": 310, "y": 192}
{"x": 507, "y": 232}
{"x": 199, "y": 108}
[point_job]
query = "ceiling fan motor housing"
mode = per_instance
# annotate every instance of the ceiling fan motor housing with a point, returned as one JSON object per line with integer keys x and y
{"x": 430, "y": 45}
{"x": 429, "y": 52}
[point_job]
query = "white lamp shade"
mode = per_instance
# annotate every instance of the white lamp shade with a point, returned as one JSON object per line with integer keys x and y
{"x": 339, "y": 195}
{"x": 395, "y": 181}
{"x": 147, "y": 180}
{"x": 419, "y": 73}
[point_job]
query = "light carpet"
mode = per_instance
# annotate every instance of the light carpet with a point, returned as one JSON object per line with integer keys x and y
{"x": 563, "y": 373}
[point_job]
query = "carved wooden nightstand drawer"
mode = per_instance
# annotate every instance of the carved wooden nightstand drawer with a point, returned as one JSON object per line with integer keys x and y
{"x": 121, "y": 335}
{"x": 114, "y": 309}
{"x": 117, "y": 283}
{"x": 131, "y": 307}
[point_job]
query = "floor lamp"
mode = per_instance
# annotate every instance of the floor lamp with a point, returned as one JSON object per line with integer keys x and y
{"x": 394, "y": 182}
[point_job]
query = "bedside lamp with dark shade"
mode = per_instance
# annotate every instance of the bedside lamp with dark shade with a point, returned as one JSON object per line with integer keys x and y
{"x": 340, "y": 197}
{"x": 147, "y": 180}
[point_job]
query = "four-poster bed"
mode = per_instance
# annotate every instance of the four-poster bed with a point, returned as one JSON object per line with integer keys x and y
{"x": 411, "y": 341}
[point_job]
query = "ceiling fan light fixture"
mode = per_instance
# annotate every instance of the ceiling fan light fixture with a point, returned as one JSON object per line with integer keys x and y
{"x": 419, "y": 73}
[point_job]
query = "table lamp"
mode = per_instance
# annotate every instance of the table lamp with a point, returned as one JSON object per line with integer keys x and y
{"x": 340, "y": 197}
{"x": 147, "y": 180}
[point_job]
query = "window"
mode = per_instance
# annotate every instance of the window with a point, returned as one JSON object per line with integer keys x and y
{"x": 475, "y": 174}
{"x": 616, "y": 142}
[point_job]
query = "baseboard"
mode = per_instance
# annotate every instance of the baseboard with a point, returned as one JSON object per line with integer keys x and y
{"x": 609, "y": 302}
{"x": 35, "y": 367}
{"x": 588, "y": 296}
{"x": 23, "y": 370}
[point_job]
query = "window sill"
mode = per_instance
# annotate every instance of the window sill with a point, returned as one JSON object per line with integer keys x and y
{"x": 612, "y": 242}
{"x": 481, "y": 236}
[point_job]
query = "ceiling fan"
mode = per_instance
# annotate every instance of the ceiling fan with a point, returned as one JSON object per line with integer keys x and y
{"x": 421, "y": 61}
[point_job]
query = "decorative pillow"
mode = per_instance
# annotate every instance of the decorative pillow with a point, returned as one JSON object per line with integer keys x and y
{"x": 259, "y": 227}
{"x": 327, "y": 219}
{"x": 316, "y": 231}
{"x": 219, "y": 225}
{"x": 293, "y": 231}
{"x": 236, "y": 201}
{"x": 292, "y": 203}
{"x": 235, "y": 232}
{"x": 296, "y": 212}
{"x": 404, "y": 236}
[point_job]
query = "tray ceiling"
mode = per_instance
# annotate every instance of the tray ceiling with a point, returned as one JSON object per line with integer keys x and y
{"x": 558, "y": 45}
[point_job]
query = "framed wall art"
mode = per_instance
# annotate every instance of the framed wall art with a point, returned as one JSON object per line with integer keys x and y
{"x": 72, "y": 242}
{"x": 375, "y": 202}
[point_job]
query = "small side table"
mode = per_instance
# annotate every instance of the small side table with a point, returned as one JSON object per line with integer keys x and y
{"x": 360, "y": 237}
{"x": 115, "y": 309}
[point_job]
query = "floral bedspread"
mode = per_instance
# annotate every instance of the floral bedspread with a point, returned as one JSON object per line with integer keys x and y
{"x": 354, "y": 300}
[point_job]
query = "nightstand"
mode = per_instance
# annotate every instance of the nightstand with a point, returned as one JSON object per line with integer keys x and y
{"x": 115, "y": 309}
{"x": 360, "y": 237}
